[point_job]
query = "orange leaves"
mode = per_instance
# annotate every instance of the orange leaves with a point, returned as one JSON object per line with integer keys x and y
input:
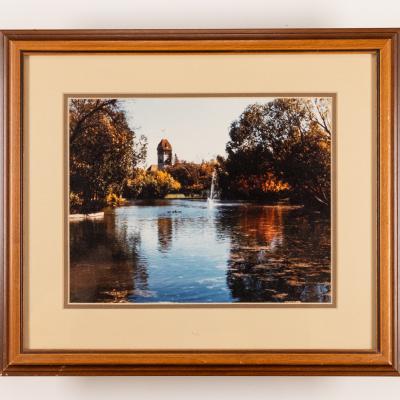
{"x": 272, "y": 184}
{"x": 266, "y": 183}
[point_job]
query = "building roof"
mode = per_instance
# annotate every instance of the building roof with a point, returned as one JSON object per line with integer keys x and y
{"x": 164, "y": 145}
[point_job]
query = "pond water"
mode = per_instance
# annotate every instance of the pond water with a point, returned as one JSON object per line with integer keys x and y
{"x": 188, "y": 251}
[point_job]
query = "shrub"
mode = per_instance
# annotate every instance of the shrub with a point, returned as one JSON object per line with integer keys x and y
{"x": 75, "y": 203}
{"x": 114, "y": 200}
{"x": 151, "y": 185}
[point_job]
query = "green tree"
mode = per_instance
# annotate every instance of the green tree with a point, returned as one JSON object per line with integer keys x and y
{"x": 103, "y": 149}
{"x": 287, "y": 139}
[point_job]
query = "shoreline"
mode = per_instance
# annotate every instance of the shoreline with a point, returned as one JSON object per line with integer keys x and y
{"x": 130, "y": 202}
{"x": 81, "y": 217}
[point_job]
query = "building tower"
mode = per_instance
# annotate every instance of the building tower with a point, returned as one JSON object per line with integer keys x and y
{"x": 164, "y": 152}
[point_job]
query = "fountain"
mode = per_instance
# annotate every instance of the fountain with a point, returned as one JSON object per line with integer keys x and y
{"x": 210, "y": 198}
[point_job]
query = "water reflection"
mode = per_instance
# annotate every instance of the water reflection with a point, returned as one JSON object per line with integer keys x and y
{"x": 185, "y": 251}
{"x": 164, "y": 226}
{"x": 105, "y": 263}
{"x": 277, "y": 254}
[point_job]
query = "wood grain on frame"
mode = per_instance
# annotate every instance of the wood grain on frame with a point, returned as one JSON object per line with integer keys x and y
{"x": 382, "y": 361}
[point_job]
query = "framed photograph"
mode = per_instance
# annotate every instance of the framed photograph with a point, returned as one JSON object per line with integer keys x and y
{"x": 244, "y": 184}
{"x": 200, "y": 202}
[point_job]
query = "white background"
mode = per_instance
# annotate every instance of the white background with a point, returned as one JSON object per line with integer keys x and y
{"x": 198, "y": 14}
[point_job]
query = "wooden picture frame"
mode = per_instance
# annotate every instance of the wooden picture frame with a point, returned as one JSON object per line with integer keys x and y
{"x": 384, "y": 360}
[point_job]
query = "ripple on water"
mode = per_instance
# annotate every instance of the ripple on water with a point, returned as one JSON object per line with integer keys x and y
{"x": 183, "y": 251}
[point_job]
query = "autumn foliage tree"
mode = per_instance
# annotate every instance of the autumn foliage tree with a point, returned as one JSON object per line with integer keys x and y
{"x": 280, "y": 146}
{"x": 151, "y": 185}
{"x": 195, "y": 179}
{"x": 103, "y": 152}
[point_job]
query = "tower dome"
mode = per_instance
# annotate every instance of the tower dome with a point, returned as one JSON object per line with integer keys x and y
{"x": 164, "y": 153}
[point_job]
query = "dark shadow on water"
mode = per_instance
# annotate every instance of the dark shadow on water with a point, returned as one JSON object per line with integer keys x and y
{"x": 277, "y": 254}
{"x": 105, "y": 264}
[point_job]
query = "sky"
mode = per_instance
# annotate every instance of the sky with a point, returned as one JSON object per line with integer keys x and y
{"x": 197, "y": 128}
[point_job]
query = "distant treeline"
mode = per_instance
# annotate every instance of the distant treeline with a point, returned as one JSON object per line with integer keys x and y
{"x": 187, "y": 178}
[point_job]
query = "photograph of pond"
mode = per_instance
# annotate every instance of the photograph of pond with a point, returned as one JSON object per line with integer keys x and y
{"x": 208, "y": 199}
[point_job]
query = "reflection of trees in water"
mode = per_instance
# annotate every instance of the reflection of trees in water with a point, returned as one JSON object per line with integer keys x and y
{"x": 104, "y": 262}
{"x": 164, "y": 233}
{"x": 277, "y": 254}
{"x": 252, "y": 225}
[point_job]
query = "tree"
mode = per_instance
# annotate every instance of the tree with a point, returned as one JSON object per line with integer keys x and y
{"x": 103, "y": 151}
{"x": 287, "y": 140}
{"x": 194, "y": 178}
{"x": 151, "y": 185}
